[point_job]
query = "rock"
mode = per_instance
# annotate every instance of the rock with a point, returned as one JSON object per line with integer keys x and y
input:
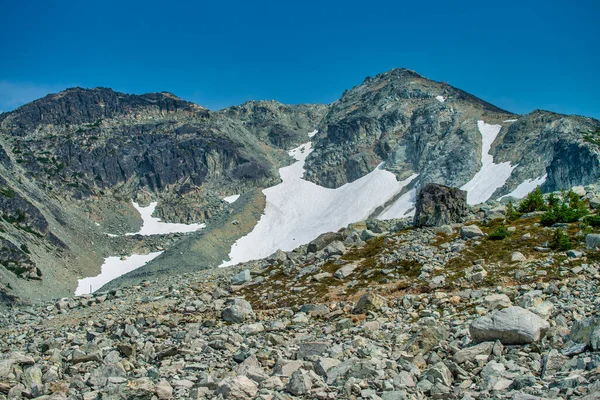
{"x": 595, "y": 202}
{"x": 367, "y": 235}
{"x": 278, "y": 257}
{"x": 286, "y": 367}
{"x": 299, "y": 383}
{"x": 587, "y": 331}
{"x": 517, "y": 256}
{"x": 241, "y": 277}
{"x": 323, "y": 241}
{"x": 238, "y": 311}
{"x": 345, "y": 271}
{"x": 439, "y": 205}
{"x": 369, "y": 302}
{"x": 163, "y": 390}
{"x": 439, "y": 373}
{"x": 323, "y": 364}
{"x": 592, "y": 240}
{"x": 395, "y": 395}
{"x": 498, "y": 212}
{"x": 513, "y": 325}
{"x": 579, "y": 191}
{"x": 239, "y": 387}
{"x": 497, "y": 301}
{"x": 336, "y": 248}
{"x": 470, "y": 353}
{"x": 310, "y": 349}
{"x": 574, "y": 254}
{"x": 470, "y": 232}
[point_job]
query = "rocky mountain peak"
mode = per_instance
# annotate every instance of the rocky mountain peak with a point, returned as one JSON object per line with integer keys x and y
{"x": 76, "y": 106}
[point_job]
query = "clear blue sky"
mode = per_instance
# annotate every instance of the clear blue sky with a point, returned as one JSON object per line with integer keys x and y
{"x": 519, "y": 55}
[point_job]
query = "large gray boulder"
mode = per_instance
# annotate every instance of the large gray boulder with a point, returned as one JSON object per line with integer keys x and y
{"x": 513, "y": 325}
{"x": 439, "y": 205}
{"x": 592, "y": 240}
{"x": 323, "y": 241}
{"x": 238, "y": 311}
{"x": 587, "y": 331}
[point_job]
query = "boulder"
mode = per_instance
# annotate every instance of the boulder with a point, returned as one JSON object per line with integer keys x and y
{"x": 587, "y": 331}
{"x": 323, "y": 241}
{"x": 592, "y": 240}
{"x": 470, "y": 232}
{"x": 241, "y": 277}
{"x": 470, "y": 353}
{"x": 238, "y": 387}
{"x": 439, "y": 205}
{"x": 369, "y": 302}
{"x": 513, "y": 325}
{"x": 238, "y": 311}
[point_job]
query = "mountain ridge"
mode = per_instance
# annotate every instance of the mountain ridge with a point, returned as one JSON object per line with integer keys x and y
{"x": 80, "y": 156}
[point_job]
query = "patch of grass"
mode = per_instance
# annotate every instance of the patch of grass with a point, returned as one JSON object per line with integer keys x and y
{"x": 499, "y": 234}
{"x": 593, "y": 221}
{"x": 372, "y": 248}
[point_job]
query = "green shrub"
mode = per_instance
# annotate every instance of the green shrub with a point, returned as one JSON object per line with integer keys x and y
{"x": 569, "y": 208}
{"x": 561, "y": 241}
{"x": 593, "y": 221}
{"x": 533, "y": 202}
{"x": 499, "y": 234}
{"x": 511, "y": 213}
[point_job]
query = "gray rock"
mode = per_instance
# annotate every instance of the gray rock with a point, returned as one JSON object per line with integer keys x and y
{"x": 238, "y": 311}
{"x": 336, "y": 248}
{"x": 592, "y": 240}
{"x": 345, "y": 271}
{"x": 470, "y": 353}
{"x": 470, "y": 232}
{"x": 513, "y": 325}
{"x": 323, "y": 241}
{"x": 299, "y": 383}
{"x": 238, "y": 387}
{"x": 369, "y": 302}
{"x": 439, "y": 205}
{"x": 439, "y": 373}
{"x": 241, "y": 277}
{"x": 517, "y": 256}
{"x": 587, "y": 331}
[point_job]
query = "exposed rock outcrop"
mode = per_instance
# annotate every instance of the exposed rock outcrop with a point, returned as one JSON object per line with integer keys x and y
{"x": 439, "y": 205}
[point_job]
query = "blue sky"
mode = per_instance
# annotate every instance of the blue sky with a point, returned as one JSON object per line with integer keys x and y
{"x": 519, "y": 55}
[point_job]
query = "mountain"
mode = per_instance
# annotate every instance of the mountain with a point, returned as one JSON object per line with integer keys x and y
{"x": 72, "y": 163}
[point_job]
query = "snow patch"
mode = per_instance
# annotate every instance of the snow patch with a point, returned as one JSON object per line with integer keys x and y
{"x": 441, "y": 99}
{"x": 491, "y": 176}
{"x": 153, "y": 226}
{"x": 313, "y": 133}
{"x": 526, "y": 187}
{"x": 112, "y": 268}
{"x": 510, "y": 120}
{"x": 111, "y": 235}
{"x": 297, "y": 211}
{"x": 404, "y": 206}
{"x": 232, "y": 199}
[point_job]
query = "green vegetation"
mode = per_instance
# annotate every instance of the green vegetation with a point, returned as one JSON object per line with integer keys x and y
{"x": 511, "y": 213}
{"x": 561, "y": 241}
{"x": 499, "y": 233}
{"x": 7, "y": 192}
{"x": 593, "y": 221}
{"x": 533, "y": 202}
{"x": 593, "y": 137}
{"x": 566, "y": 209}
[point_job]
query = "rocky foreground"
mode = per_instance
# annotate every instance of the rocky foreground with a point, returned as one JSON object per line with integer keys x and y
{"x": 380, "y": 310}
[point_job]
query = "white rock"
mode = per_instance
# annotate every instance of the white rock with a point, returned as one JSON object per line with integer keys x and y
{"x": 513, "y": 325}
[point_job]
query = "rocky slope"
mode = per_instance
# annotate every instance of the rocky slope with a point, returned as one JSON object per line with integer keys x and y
{"x": 379, "y": 310}
{"x": 70, "y": 164}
